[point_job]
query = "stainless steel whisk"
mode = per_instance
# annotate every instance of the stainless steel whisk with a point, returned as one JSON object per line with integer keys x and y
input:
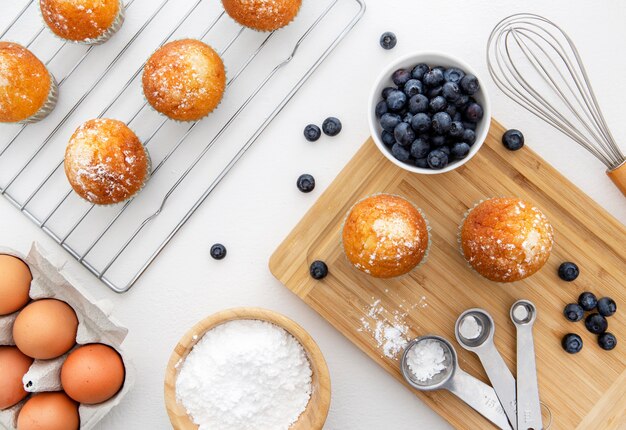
{"x": 534, "y": 62}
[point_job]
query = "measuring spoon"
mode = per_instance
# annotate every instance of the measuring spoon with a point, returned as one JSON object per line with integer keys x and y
{"x": 523, "y": 315}
{"x": 483, "y": 346}
{"x": 480, "y": 396}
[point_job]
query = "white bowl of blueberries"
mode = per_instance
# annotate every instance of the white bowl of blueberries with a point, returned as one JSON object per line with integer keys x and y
{"x": 429, "y": 113}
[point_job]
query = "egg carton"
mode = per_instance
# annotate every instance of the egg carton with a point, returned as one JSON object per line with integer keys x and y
{"x": 94, "y": 326}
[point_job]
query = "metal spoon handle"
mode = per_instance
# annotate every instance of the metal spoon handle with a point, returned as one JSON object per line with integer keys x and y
{"x": 501, "y": 378}
{"x": 528, "y": 405}
{"x": 480, "y": 396}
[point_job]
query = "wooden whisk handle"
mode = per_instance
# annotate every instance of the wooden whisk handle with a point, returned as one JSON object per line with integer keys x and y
{"x": 618, "y": 176}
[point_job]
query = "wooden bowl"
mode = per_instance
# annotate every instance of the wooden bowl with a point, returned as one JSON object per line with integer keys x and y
{"x": 313, "y": 417}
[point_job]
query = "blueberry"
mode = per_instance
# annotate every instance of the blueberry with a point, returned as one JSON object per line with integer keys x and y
{"x": 422, "y": 163}
{"x": 218, "y": 251}
{"x": 469, "y": 125}
{"x": 381, "y": 108}
{"x": 456, "y": 129}
{"x": 572, "y": 343}
{"x": 438, "y": 104}
{"x": 389, "y": 121}
{"x": 587, "y": 301}
{"x": 421, "y": 122}
{"x": 446, "y": 150}
{"x": 401, "y": 77}
{"x": 460, "y": 150}
{"x": 437, "y": 141}
{"x": 474, "y": 112}
{"x": 568, "y": 271}
{"x": 607, "y": 306}
{"x": 420, "y": 148}
{"x": 441, "y": 123}
{"x": 413, "y": 87}
{"x": 462, "y": 102}
{"x": 434, "y": 92}
{"x": 385, "y": 93}
{"x": 437, "y": 159}
{"x": 451, "y": 91}
{"x": 458, "y": 117}
{"x": 453, "y": 74}
{"x": 596, "y": 323}
{"x": 404, "y": 134}
{"x": 451, "y": 110}
{"x": 396, "y": 100}
{"x": 469, "y": 84}
{"x": 400, "y": 153}
{"x": 388, "y": 40}
{"x": 469, "y": 136}
{"x": 419, "y": 71}
{"x": 513, "y": 140}
{"x": 418, "y": 103}
{"x": 331, "y": 126}
{"x": 573, "y": 312}
{"x": 306, "y": 183}
{"x": 433, "y": 78}
{"x": 607, "y": 341}
{"x": 407, "y": 117}
{"x": 312, "y": 132}
{"x": 318, "y": 270}
{"x": 388, "y": 138}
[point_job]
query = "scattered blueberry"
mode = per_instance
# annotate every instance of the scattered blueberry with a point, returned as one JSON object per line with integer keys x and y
{"x": 388, "y": 138}
{"x": 218, "y": 251}
{"x": 469, "y": 136}
{"x": 433, "y": 78}
{"x": 413, "y": 87}
{"x": 573, "y": 312}
{"x": 438, "y": 104}
{"x": 513, "y": 140}
{"x": 318, "y": 270}
{"x": 420, "y": 148}
{"x": 607, "y": 341}
{"x": 441, "y": 123}
{"x": 389, "y": 121}
{"x": 587, "y": 301}
{"x": 418, "y": 104}
{"x": 400, "y": 152}
{"x": 404, "y": 134}
{"x": 606, "y": 306}
{"x": 401, "y": 77}
{"x": 313, "y": 132}
{"x": 419, "y": 71}
{"x": 331, "y": 126}
{"x": 596, "y": 323}
{"x": 451, "y": 91}
{"x": 437, "y": 159}
{"x": 381, "y": 109}
{"x": 396, "y": 100}
{"x": 474, "y": 112}
{"x": 421, "y": 122}
{"x": 385, "y": 93}
{"x": 470, "y": 84}
{"x": 568, "y": 271}
{"x": 454, "y": 75}
{"x": 388, "y": 40}
{"x": 460, "y": 150}
{"x": 306, "y": 183}
{"x": 572, "y": 343}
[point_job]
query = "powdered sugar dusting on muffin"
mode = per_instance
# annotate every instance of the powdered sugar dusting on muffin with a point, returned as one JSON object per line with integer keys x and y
{"x": 265, "y": 15}
{"x": 80, "y": 20}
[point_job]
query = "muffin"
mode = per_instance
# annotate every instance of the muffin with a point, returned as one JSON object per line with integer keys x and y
{"x": 83, "y": 21}
{"x": 262, "y": 15}
{"x": 28, "y": 92}
{"x": 184, "y": 80}
{"x": 105, "y": 162}
{"x": 506, "y": 239}
{"x": 385, "y": 236}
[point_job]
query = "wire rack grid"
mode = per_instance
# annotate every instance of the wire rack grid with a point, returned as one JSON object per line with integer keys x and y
{"x": 118, "y": 243}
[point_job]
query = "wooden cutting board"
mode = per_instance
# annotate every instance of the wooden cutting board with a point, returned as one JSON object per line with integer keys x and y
{"x": 583, "y": 391}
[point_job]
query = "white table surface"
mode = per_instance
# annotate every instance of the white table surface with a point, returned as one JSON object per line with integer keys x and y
{"x": 258, "y": 204}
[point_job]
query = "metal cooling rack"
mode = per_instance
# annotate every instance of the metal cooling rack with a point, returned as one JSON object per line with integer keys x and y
{"x": 118, "y": 243}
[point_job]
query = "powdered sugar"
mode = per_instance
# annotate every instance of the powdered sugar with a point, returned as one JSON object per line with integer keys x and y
{"x": 245, "y": 375}
{"x": 426, "y": 359}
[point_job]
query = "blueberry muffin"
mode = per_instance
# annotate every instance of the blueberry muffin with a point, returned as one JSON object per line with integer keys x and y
{"x": 385, "y": 236}
{"x": 506, "y": 239}
{"x": 263, "y": 15}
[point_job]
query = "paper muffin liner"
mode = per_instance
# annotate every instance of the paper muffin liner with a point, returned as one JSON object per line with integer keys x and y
{"x": 421, "y": 212}
{"x": 267, "y": 31}
{"x": 191, "y": 121}
{"x": 113, "y": 28}
{"x": 48, "y": 106}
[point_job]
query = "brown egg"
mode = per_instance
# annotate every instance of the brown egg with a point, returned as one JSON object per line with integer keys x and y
{"x": 49, "y": 411}
{"x": 13, "y": 366}
{"x": 15, "y": 280}
{"x": 45, "y": 329}
{"x": 92, "y": 374}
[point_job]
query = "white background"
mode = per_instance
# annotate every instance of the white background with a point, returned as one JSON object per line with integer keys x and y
{"x": 258, "y": 204}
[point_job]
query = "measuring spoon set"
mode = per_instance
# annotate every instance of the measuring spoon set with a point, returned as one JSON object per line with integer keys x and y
{"x": 508, "y": 404}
